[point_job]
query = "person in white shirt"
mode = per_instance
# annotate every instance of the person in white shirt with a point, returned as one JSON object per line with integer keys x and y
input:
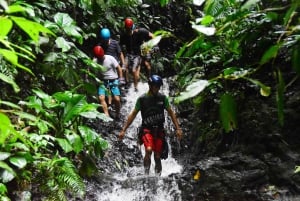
{"x": 110, "y": 78}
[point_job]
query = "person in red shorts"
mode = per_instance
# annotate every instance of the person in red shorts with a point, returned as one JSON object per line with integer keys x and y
{"x": 152, "y": 105}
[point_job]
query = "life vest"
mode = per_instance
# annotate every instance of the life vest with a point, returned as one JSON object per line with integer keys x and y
{"x": 152, "y": 110}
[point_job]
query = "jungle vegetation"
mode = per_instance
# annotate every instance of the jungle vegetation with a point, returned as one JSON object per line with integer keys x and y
{"x": 220, "y": 50}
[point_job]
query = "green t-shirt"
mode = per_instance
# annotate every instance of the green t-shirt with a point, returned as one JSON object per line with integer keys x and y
{"x": 152, "y": 109}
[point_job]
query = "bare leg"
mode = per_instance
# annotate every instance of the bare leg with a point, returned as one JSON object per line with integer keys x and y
{"x": 104, "y": 105}
{"x": 147, "y": 160}
{"x": 157, "y": 160}
{"x": 117, "y": 103}
{"x": 136, "y": 77}
{"x": 148, "y": 67}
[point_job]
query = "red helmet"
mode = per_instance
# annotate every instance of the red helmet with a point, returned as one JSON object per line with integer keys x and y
{"x": 98, "y": 51}
{"x": 128, "y": 23}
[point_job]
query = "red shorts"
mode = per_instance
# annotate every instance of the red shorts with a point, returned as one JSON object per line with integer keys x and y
{"x": 152, "y": 140}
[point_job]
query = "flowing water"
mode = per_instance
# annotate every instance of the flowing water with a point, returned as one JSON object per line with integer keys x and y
{"x": 132, "y": 184}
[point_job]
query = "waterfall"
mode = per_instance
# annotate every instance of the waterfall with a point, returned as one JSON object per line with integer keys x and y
{"x": 133, "y": 184}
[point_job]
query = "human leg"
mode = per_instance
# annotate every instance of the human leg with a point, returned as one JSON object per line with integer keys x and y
{"x": 157, "y": 160}
{"x": 147, "y": 159}
{"x": 116, "y": 96}
{"x": 157, "y": 149}
{"x": 136, "y": 77}
{"x": 136, "y": 70}
{"x": 102, "y": 99}
{"x": 148, "y": 143}
{"x": 103, "y": 104}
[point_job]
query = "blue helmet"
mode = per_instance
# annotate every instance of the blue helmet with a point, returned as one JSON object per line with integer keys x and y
{"x": 155, "y": 80}
{"x": 105, "y": 34}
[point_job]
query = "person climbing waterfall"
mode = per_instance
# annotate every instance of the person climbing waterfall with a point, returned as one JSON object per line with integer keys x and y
{"x": 131, "y": 40}
{"x": 111, "y": 46}
{"x": 110, "y": 80}
{"x": 152, "y": 105}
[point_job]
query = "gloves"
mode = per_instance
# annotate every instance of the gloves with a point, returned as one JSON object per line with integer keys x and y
{"x": 122, "y": 80}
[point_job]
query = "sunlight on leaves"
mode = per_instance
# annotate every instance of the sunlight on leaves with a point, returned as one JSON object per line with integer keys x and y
{"x": 249, "y": 4}
{"x": 6, "y": 25}
{"x": 192, "y": 90}
{"x": 198, "y": 2}
{"x": 19, "y": 162}
{"x": 209, "y": 31}
{"x": 10, "y": 81}
{"x": 297, "y": 169}
{"x": 63, "y": 44}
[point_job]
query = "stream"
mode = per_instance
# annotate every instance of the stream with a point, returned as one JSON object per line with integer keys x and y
{"x": 188, "y": 174}
{"x": 128, "y": 182}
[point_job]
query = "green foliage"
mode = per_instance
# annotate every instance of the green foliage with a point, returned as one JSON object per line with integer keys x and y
{"x": 11, "y": 51}
{"x": 54, "y": 125}
{"x": 297, "y": 169}
{"x": 59, "y": 177}
{"x": 235, "y": 42}
{"x": 228, "y": 112}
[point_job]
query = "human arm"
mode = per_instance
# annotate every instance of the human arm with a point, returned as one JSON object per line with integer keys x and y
{"x": 122, "y": 58}
{"x": 175, "y": 122}
{"x": 130, "y": 119}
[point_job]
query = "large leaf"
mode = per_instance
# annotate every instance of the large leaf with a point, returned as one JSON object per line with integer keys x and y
{"x": 33, "y": 29}
{"x": 76, "y": 142}
{"x": 209, "y": 31}
{"x": 4, "y": 155}
{"x": 20, "y": 162}
{"x": 65, "y": 145}
{"x": 73, "y": 108}
{"x": 6, "y": 25}
{"x": 249, "y": 4}
{"x": 87, "y": 134}
{"x": 10, "y": 81}
{"x": 63, "y": 44}
{"x": 228, "y": 110}
{"x": 68, "y": 25}
{"x": 192, "y": 90}
{"x": 7, "y": 174}
{"x": 5, "y": 128}
{"x": 14, "y": 9}
{"x": 269, "y": 54}
{"x": 12, "y": 57}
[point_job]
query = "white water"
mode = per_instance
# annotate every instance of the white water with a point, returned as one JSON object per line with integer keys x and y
{"x": 133, "y": 184}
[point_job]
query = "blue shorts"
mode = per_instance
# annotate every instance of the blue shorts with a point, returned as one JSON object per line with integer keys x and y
{"x": 109, "y": 87}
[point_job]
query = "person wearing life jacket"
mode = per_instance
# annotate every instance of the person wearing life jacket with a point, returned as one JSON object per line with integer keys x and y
{"x": 131, "y": 40}
{"x": 152, "y": 106}
{"x": 111, "y": 46}
{"x": 109, "y": 88}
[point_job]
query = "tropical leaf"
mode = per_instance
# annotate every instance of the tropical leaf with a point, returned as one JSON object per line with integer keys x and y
{"x": 6, "y": 25}
{"x": 264, "y": 90}
{"x": 64, "y": 144}
{"x": 269, "y": 54}
{"x": 209, "y": 31}
{"x": 19, "y": 162}
{"x": 297, "y": 169}
{"x": 33, "y": 29}
{"x": 192, "y": 90}
{"x": 228, "y": 111}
